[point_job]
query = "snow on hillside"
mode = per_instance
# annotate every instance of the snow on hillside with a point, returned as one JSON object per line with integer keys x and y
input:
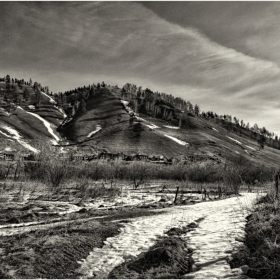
{"x": 172, "y": 127}
{"x": 16, "y": 136}
{"x": 236, "y": 141}
{"x": 125, "y": 103}
{"x": 98, "y": 127}
{"x": 50, "y": 99}
{"x": 250, "y": 147}
{"x": 62, "y": 112}
{"x": 128, "y": 109}
{"x": 46, "y": 123}
{"x": 215, "y": 129}
{"x": 183, "y": 143}
{"x": 152, "y": 126}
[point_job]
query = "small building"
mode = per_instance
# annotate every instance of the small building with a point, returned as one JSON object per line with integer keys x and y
{"x": 78, "y": 157}
{"x": 92, "y": 157}
{"x": 102, "y": 155}
{"x": 130, "y": 157}
{"x": 142, "y": 157}
{"x": 119, "y": 156}
{"x": 169, "y": 160}
{"x": 9, "y": 156}
{"x": 64, "y": 156}
{"x": 151, "y": 158}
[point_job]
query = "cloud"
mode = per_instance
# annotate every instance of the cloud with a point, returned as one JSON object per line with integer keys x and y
{"x": 69, "y": 44}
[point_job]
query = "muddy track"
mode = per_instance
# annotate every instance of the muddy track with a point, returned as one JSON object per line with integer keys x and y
{"x": 218, "y": 235}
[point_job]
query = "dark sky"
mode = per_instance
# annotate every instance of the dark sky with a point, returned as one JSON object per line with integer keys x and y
{"x": 222, "y": 55}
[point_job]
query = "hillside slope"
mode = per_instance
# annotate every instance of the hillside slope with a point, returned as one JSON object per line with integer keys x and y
{"x": 23, "y": 124}
{"x": 105, "y": 126}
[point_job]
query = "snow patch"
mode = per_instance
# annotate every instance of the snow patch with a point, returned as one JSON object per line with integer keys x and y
{"x": 234, "y": 140}
{"x": 50, "y": 99}
{"x": 250, "y": 148}
{"x": 152, "y": 126}
{"x": 46, "y": 123}
{"x": 125, "y": 103}
{"x": 98, "y": 127}
{"x": 62, "y": 112}
{"x": 215, "y": 129}
{"x": 213, "y": 240}
{"x": 31, "y": 107}
{"x": 183, "y": 143}
{"x": 172, "y": 127}
{"x": 18, "y": 137}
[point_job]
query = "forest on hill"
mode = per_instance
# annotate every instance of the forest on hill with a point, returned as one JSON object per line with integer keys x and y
{"x": 17, "y": 92}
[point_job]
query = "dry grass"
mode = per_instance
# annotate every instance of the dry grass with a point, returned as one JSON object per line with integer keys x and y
{"x": 262, "y": 240}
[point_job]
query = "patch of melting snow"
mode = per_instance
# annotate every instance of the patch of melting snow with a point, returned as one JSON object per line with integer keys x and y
{"x": 172, "y": 127}
{"x": 18, "y": 138}
{"x": 98, "y": 127}
{"x": 234, "y": 140}
{"x": 62, "y": 112}
{"x": 125, "y": 103}
{"x": 183, "y": 143}
{"x": 237, "y": 152}
{"x": 250, "y": 147}
{"x": 50, "y": 99}
{"x": 129, "y": 199}
{"x": 127, "y": 108}
{"x": 60, "y": 208}
{"x": 152, "y": 126}
{"x": 215, "y": 129}
{"x": 46, "y": 123}
{"x": 213, "y": 240}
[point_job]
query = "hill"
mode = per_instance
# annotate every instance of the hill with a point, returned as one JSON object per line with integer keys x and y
{"x": 27, "y": 115}
{"x": 106, "y": 126}
{"x": 129, "y": 120}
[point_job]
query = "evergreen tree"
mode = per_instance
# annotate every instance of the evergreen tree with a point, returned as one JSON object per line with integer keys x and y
{"x": 83, "y": 106}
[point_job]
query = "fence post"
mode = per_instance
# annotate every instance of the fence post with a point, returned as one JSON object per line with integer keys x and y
{"x": 276, "y": 184}
{"x": 176, "y": 194}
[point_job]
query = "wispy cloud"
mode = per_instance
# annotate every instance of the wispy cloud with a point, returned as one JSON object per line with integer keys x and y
{"x": 68, "y": 44}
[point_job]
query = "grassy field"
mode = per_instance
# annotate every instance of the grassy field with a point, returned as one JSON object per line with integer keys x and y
{"x": 53, "y": 213}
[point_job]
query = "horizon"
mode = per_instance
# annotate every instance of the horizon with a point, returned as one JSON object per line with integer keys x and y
{"x": 222, "y": 56}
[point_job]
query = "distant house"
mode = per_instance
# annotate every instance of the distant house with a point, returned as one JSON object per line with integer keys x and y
{"x": 78, "y": 157}
{"x": 142, "y": 157}
{"x": 151, "y": 158}
{"x": 130, "y": 157}
{"x": 169, "y": 160}
{"x": 64, "y": 156}
{"x": 118, "y": 156}
{"x": 26, "y": 157}
{"x": 103, "y": 155}
{"x": 9, "y": 156}
{"x": 92, "y": 157}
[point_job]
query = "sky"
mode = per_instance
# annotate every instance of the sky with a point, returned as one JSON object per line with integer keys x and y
{"x": 224, "y": 56}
